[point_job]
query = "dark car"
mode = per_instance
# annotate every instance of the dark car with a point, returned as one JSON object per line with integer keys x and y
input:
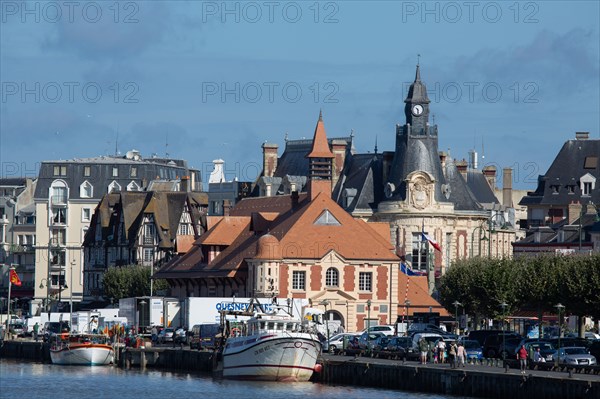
{"x": 204, "y": 336}
{"x": 546, "y": 349}
{"x": 401, "y": 348}
{"x": 473, "y": 349}
{"x": 481, "y": 335}
{"x": 495, "y": 345}
{"x": 595, "y": 349}
{"x": 566, "y": 342}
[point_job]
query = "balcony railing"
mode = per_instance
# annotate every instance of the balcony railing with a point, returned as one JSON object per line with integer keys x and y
{"x": 59, "y": 199}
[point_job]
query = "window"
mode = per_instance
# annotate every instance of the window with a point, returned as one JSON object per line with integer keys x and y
{"x": 86, "y": 214}
{"x": 59, "y": 237}
{"x": 86, "y": 190}
{"x": 327, "y": 219}
{"x": 184, "y": 229}
{"x": 87, "y": 171}
{"x": 59, "y": 216}
{"x": 60, "y": 170}
{"x": 365, "y": 281}
{"x": 419, "y": 252}
{"x": 57, "y": 258}
{"x": 133, "y": 171}
{"x": 83, "y": 233}
{"x": 588, "y": 184}
{"x": 590, "y": 163}
{"x": 114, "y": 187}
{"x": 115, "y": 171}
{"x": 59, "y": 193}
{"x": 133, "y": 186}
{"x": 148, "y": 255}
{"x": 149, "y": 233}
{"x": 298, "y": 280}
{"x": 587, "y": 188}
{"x": 331, "y": 277}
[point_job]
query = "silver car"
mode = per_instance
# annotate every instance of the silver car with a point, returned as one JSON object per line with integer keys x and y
{"x": 576, "y": 355}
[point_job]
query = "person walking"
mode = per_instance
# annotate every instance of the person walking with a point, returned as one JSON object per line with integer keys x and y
{"x": 453, "y": 353}
{"x": 424, "y": 349}
{"x": 461, "y": 354}
{"x": 522, "y": 357}
{"x": 441, "y": 350}
{"x": 36, "y": 329}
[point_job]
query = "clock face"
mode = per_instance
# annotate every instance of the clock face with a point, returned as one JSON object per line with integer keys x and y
{"x": 417, "y": 110}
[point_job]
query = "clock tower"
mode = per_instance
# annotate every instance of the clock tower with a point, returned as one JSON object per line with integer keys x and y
{"x": 416, "y": 109}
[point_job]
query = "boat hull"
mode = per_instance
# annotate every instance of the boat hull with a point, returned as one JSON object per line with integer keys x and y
{"x": 83, "y": 355}
{"x": 271, "y": 357}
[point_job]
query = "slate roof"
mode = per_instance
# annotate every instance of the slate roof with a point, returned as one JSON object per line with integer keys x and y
{"x": 566, "y": 169}
{"x": 362, "y": 173}
{"x": 460, "y": 192}
{"x": 13, "y": 182}
{"x": 293, "y": 225}
{"x": 165, "y": 207}
{"x": 480, "y": 188}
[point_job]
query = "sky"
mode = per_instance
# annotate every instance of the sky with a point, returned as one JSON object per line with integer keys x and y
{"x": 202, "y": 80}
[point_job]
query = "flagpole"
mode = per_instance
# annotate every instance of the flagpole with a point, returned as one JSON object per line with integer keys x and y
{"x": 10, "y": 268}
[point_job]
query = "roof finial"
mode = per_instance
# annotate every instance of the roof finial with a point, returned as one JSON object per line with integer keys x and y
{"x": 351, "y": 132}
{"x": 320, "y": 114}
{"x": 286, "y": 137}
{"x": 418, "y": 74}
{"x": 433, "y": 119}
{"x": 375, "y": 144}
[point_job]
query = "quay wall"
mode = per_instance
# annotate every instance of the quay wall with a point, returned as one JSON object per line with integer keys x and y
{"x": 481, "y": 384}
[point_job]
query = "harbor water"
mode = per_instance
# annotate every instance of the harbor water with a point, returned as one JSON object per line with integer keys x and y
{"x": 38, "y": 380}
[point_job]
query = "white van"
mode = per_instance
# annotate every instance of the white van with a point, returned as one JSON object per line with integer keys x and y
{"x": 429, "y": 337}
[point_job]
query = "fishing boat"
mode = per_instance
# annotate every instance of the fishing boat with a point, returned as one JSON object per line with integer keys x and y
{"x": 270, "y": 347}
{"x": 81, "y": 349}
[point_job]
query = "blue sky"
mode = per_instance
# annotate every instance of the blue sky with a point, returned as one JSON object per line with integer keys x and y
{"x": 514, "y": 80}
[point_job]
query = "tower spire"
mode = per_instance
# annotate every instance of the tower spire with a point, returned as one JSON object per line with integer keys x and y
{"x": 375, "y": 144}
{"x": 418, "y": 73}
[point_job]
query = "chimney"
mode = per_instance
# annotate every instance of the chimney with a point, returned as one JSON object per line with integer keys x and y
{"x": 185, "y": 184}
{"x": 338, "y": 147}
{"x": 269, "y": 159}
{"x": 295, "y": 198}
{"x": 443, "y": 156}
{"x": 226, "y": 207}
{"x": 582, "y": 135}
{"x": 473, "y": 159}
{"x": 507, "y": 187}
{"x": 462, "y": 168}
{"x": 490, "y": 175}
{"x": 217, "y": 175}
{"x": 574, "y": 211}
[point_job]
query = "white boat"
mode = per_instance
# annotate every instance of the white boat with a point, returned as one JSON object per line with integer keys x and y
{"x": 271, "y": 347}
{"x": 81, "y": 349}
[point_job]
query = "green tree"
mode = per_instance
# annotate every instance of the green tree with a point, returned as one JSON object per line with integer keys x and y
{"x": 129, "y": 281}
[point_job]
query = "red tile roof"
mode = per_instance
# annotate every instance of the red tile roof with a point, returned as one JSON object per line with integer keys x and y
{"x": 320, "y": 146}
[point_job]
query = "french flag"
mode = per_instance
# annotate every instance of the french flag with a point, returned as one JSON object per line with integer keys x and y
{"x": 426, "y": 237}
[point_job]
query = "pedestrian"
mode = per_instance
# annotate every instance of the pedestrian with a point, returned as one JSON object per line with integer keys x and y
{"x": 452, "y": 352}
{"x": 537, "y": 356}
{"x": 441, "y": 350}
{"x": 522, "y": 356}
{"x": 36, "y": 329}
{"x": 154, "y": 335}
{"x": 424, "y": 349}
{"x": 461, "y": 354}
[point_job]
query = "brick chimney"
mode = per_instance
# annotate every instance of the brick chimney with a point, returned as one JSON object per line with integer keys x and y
{"x": 462, "y": 168}
{"x": 226, "y": 207}
{"x": 574, "y": 211}
{"x": 338, "y": 147}
{"x": 184, "y": 186}
{"x": 294, "y": 198}
{"x": 490, "y": 175}
{"x": 507, "y": 187}
{"x": 269, "y": 159}
{"x": 582, "y": 135}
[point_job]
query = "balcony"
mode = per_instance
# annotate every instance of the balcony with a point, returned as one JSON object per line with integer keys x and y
{"x": 20, "y": 249}
{"x": 59, "y": 199}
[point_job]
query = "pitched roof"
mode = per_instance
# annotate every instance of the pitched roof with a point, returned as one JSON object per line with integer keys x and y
{"x": 320, "y": 146}
{"x": 418, "y": 294}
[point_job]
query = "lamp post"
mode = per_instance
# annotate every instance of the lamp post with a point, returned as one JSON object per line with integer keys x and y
{"x": 47, "y": 308}
{"x": 368, "y": 314}
{"x": 503, "y": 305}
{"x": 407, "y": 306}
{"x": 456, "y": 305}
{"x": 325, "y": 303}
{"x": 559, "y": 306}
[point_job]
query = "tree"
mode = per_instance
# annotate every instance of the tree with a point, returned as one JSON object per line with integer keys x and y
{"x": 129, "y": 281}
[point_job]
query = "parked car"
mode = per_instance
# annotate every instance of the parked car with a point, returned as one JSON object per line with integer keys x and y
{"x": 568, "y": 341}
{"x": 336, "y": 342}
{"x": 595, "y": 349}
{"x": 546, "y": 349}
{"x": 204, "y": 336}
{"x": 401, "y": 347}
{"x": 431, "y": 338}
{"x": 166, "y": 335}
{"x": 367, "y": 339}
{"x": 17, "y": 328}
{"x": 387, "y": 330}
{"x": 481, "y": 335}
{"x": 575, "y": 355}
{"x": 495, "y": 345}
{"x": 591, "y": 335}
{"x": 473, "y": 349}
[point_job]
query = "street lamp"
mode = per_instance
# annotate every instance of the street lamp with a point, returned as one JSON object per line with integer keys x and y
{"x": 559, "y": 306}
{"x": 504, "y": 305}
{"x": 407, "y": 306}
{"x": 325, "y": 303}
{"x": 368, "y": 314}
{"x": 47, "y": 289}
{"x": 484, "y": 238}
{"x": 456, "y": 305}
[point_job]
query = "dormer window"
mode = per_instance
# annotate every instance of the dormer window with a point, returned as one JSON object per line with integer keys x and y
{"x": 587, "y": 184}
{"x": 554, "y": 188}
{"x": 133, "y": 186}
{"x": 114, "y": 187}
{"x": 86, "y": 190}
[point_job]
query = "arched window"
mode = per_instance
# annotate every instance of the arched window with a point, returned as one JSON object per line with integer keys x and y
{"x": 332, "y": 277}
